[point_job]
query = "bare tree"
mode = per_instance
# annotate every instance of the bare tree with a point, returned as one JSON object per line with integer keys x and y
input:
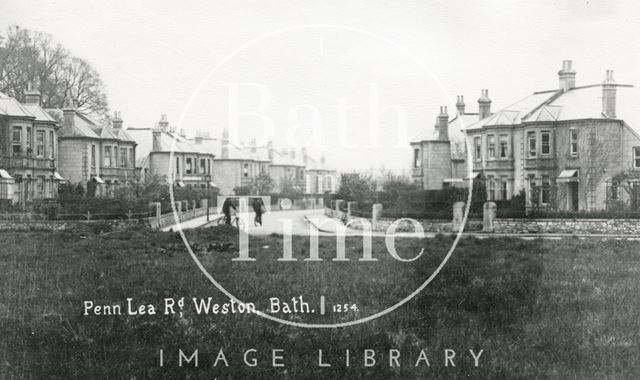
{"x": 33, "y": 57}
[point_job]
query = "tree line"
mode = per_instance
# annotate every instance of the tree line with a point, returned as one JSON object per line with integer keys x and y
{"x": 34, "y": 58}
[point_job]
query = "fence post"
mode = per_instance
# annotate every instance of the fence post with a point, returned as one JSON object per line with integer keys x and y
{"x": 458, "y": 215}
{"x": 88, "y": 215}
{"x": 204, "y": 203}
{"x": 157, "y": 212}
{"x": 376, "y": 211}
{"x": 488, "y": 216}
{"x": 178, "y": 207}
{"x": 338, "y": 204}
{"x": 320, "y": 202}
{"x": 193, "y": 204}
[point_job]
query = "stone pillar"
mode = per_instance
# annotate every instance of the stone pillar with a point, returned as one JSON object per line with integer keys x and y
{"x": 185, "y": 206}
{"x": 350, "y": 207}
{"x": 338, "y": 204}
{"x": 320, "y": 202}
{"x": 178, "y": 206}
{"x": 488, "y": 216}
{"x": 243, "y": 205}
{"x": 204, "y": 203}
{"x": 193, "y": 204}
{"x": 155, "y": 211}
{"x": 458, "y": 215}
{"x": 376, "y": 212}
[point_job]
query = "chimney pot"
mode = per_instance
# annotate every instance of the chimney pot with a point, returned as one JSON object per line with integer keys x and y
{"x": 460, "y": 105}
{"x": 567, "y": 76}
{"x": 484, "y": 105}
{"x": 117, "y": 120}
{"x": 443, "y": 124}
{"x": 32, "y": 96}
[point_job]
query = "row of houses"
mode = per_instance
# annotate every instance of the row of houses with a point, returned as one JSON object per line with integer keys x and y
{"x": 41, "y": 148}
{"x": 564, "y": 148}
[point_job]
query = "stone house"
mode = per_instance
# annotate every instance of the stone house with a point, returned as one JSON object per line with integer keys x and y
{"x": 166, "y": 152}
{"x": 99, "y": 155}
{"x": 561, "y": 147}
{"x": 28, "y": 150}
{"x": 439, "y": 153}
{"x": 320, "y": 177}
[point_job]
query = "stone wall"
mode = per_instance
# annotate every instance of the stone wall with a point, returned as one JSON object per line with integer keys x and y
{"x": 568, "y": 226}
{"x": 61, "y": 225}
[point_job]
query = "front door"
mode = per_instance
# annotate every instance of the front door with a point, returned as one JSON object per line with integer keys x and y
{"x": 573, "y": 196}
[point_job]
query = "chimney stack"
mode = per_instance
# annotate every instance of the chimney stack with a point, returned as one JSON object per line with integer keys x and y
{"x": 156, "y": 142}
{"x": 567, "y": 76}
{"x": 305, "y": 156}
{"x": 68, "y": 112}
{"x": 270, "y": 149}
{"x": 322, "y": 160}
{"x": 460, "y": 105}
{"x": 163, "y": 124}
{"x": 292, "y": 153}
{"x": 443, "y": 124}
{"x": 198, "y": 140}
{"x": 74, "y": 99}
{"x": 609, "y": 95}
{"x": 254, "y": 148}
{"x": 32, "y": 96}
{"x": 224, "y": 142}
{"x": 117, "y": 120}
{"x": 484, "y": 105}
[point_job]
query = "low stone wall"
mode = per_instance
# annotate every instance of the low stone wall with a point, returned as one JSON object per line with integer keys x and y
{"x": 568, "y": 226}
{"x": 61, "y": 225}
{"x": 383, "y": 224}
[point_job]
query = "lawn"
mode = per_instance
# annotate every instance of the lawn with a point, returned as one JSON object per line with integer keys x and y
{"x": 538, "y": 309}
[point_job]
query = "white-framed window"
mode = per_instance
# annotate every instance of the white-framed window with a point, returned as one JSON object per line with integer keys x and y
{"x": 573, "y": 142}
{"x": 636, "y": 157}
{"x": 178, "y": 165}
{"x": 478, "y": 147}
{"x": 203, "y": 166}
{"x": 4, "y": 190}
{"x": 245, "y": 170}
{"x": 16, "y": 141}
{"x": 416, "y": 158}
{"x": 546, "y": 189}
{"x": 124, "y": 160}
{"x": 28, "y": 141}
{"x": 504, "y": 146}
{"x": 106, "y": 162}
{"x": 40, "y": 144}
{"x": 491, "y": 189}
{"x": 131, "y": 158}
{"x": 93, "y": 156}
{"x": 491, "y": 146}
{"x": 40, "y": 187}
{"x": 545, "y": 143}
{"x": 188, "y": 166}
{"x": 533, "y": 195}
{"x": 504, "y": 189}
{"x": 532, "y": 144}
{"x": 52, "y": 142}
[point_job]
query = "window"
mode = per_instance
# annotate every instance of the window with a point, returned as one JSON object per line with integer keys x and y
{"x": 40, "y": 144}
{"x": 245, "y": 170}
{"x": 203, "y": 166}
{"x": 478, "y": 147}
{"x": 106, "y": 162}
{"x": 614, "y": 191}
{"x": 40, "y": 187}
{"x": 209, "y": 166}
{"x": 491, "y": 189}
{"x": 28, "y": 141}
{"x": 546, "y": 189}
{"x": 504, "y": 146}
{"x": 503, "y": 189}
{"x": 4, "y": 190}
{"x": 16, "y": 141}
{"x": 545, "y": 143}
{"x": 93, "y": 156}
{"x": 532, "y": 147}
{"x": 188, "y": 166}
{"x": 533, "y": 193}
{"x": 573, "y": 141}
{"x": 131, "y": 161}
{"x": 491, "y": 146}
{"x": 416, "y": 158}
{"x": 178, "y": 165}
{"x": 124, "y": 160}
{"x": 51, "y": 145}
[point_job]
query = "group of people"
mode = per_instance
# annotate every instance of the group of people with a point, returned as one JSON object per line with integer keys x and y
{"x": 258, "y": 208}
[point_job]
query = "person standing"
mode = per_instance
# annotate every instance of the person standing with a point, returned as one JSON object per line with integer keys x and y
{"x": 257, "y": 208}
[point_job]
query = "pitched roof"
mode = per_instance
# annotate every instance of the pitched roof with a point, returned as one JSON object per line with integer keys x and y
{"x": 456, "y": 134}
{"x": 11, "y": 107}
{"x": 144, "y": 138}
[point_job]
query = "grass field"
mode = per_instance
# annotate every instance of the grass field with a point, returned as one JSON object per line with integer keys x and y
{"x": 539, "y": 309}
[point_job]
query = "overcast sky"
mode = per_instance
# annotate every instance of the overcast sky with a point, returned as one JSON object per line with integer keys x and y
{"x": 418, "y": 55}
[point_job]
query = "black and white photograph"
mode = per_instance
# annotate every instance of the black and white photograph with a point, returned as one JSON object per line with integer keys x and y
{"x": 339, "y": 189}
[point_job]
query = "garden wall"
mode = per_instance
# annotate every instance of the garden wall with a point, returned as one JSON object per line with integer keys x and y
{"x": 568, "y": 226}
